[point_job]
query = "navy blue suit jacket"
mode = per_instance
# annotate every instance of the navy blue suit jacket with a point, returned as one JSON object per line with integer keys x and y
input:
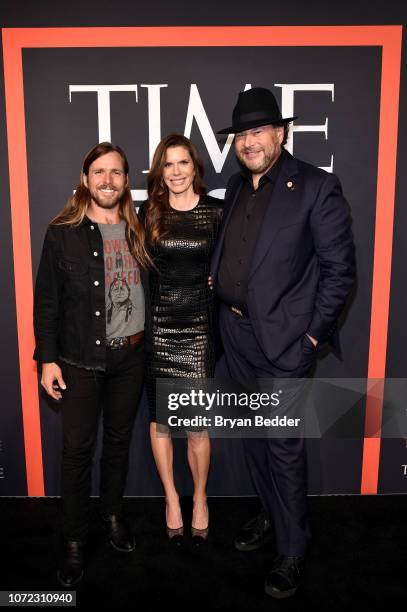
{"x": 303, "y": 266}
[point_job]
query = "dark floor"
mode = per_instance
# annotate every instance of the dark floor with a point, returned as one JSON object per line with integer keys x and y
{"x": 358, "y": 556}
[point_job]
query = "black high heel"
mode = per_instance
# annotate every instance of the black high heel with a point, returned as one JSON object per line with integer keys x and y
{"x": 199, "y": 536}
{"x": 175, "y": 536}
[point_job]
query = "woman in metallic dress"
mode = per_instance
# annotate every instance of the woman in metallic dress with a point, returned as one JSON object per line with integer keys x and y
{"x": 181, "y": 225}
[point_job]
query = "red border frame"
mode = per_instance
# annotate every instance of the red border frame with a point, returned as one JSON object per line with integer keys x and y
{"x": 15, "y": 39}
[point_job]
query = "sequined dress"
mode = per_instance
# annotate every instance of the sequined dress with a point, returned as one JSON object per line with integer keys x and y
{"x": 179, "y": 304}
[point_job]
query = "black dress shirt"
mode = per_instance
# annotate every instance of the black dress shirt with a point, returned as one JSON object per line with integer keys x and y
{"x": 242, "y": 234}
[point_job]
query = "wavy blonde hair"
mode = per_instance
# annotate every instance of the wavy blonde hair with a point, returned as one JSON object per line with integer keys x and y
{"x": 76, "y": 207}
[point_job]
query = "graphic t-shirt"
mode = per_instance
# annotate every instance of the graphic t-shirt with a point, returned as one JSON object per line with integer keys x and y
{"x": 123, "y": 289}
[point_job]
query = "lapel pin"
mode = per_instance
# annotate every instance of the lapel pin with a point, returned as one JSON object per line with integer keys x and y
{"x": 290, "y": 185}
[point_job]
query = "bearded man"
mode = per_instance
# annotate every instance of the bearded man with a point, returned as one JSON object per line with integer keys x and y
{"x": 92, "y": 363}
{"x": 282, "y": 269}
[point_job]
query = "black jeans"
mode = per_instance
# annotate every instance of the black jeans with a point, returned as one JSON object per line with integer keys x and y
{"x": 115, "y": 393}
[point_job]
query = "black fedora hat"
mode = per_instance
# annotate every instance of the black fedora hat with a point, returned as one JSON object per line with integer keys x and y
{"x": 256, "y": 106}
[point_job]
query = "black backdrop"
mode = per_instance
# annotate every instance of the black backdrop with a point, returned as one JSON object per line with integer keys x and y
{"x": 60, "y": 131}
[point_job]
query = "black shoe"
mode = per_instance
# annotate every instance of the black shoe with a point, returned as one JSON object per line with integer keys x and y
{"x": 199, "y": 536}
{"x": 285, "y": 576}
{"x": 120, "y": 535}
{"x": 175, "y": 536}
{"x": 254, "y": 534}
{"x": 70, "y": 571}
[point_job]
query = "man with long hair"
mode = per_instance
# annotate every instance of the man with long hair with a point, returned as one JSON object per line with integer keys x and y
{"x": 91, "y": 352}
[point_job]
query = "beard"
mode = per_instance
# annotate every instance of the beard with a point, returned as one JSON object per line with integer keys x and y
{"x": 105, "y": 205}
{"x": 106, "y": 202}
{"x": 257, "y": 166}
{"x": 262, "y": 164}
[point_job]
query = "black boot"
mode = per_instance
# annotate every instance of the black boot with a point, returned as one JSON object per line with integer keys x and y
{"x": 119, "y": 532}
{"x": 70, "y": 570}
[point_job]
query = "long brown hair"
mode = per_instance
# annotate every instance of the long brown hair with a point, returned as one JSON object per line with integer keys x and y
{"x": 76, "y": 207}
{"x": 158, "y": 194}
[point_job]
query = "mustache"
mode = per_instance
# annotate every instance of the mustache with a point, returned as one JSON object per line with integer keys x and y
{"x": 107, "y": 186}
{"x": 251, "y": 150}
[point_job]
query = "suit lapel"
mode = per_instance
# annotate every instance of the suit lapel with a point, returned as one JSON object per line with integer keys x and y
{"x": 277, "y": 209}
{"x": 225, "y": 221}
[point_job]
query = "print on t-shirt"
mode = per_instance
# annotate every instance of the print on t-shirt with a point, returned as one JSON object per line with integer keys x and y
{"x": 119, "y": 304}
{"x": 123, "y": 289}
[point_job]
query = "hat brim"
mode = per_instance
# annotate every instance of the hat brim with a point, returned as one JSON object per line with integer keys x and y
{"x": 247, "y": 125}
